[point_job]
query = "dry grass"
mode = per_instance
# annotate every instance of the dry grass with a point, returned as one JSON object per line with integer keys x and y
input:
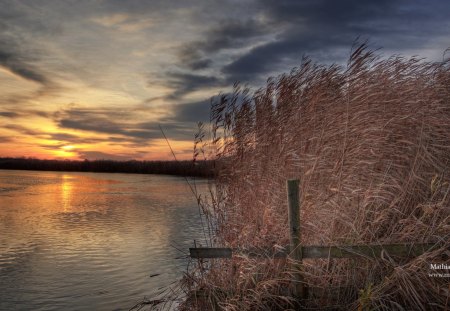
{"x": 370, "y": 143}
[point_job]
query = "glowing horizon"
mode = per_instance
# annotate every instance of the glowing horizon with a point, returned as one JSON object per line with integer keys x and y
{"x": 96, "y": 79}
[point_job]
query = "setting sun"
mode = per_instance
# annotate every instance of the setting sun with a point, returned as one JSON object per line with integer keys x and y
{"x": 65, "y": 153}
{"x": 68, "y": 147}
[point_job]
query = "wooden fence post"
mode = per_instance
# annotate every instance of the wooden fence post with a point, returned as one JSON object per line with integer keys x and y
{"x": 294, "y": 229}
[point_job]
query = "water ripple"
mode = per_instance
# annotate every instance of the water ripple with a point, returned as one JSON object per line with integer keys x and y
{"x": 81, "y": 241}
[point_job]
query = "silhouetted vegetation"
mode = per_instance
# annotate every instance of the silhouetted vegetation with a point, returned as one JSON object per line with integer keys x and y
{"x": 181, "y": 168}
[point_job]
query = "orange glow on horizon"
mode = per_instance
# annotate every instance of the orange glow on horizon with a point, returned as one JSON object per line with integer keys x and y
{"x": 65, "y": 154}
{"x": 45, "y": 140}
{"x": 42, "y": 138}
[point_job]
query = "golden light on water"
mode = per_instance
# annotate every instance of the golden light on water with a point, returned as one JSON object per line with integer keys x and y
{"x": 66, "y": 192}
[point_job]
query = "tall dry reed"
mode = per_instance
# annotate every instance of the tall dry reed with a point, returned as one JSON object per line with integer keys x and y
{"x": 370, "y": 143}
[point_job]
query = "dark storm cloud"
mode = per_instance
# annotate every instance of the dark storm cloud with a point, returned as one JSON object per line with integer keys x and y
{"x": 185, "y": 83}
{"x": 326, "y": 29}
{"x": 326, "y": 11}
{"x": 200, "y": 9}
{"x": 282, "y": 55}
{"x": 16, "y": 62}
{"x": 142, "y": 7}
{"x": 17, "y": 53}
{"x": 192, "y": 112}
{"x": 198, "y": 111}
{"x": 233, "y": 33}
{"x": 228, "y": 34}
{"x": 198, "y": 63}
{"x": 274, "y": 35}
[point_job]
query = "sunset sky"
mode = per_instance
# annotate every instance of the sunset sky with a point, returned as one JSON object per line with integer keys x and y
{"x": 95, "y": 79}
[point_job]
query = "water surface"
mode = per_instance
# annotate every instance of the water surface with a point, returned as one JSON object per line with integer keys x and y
{"x": 91, "y": 241}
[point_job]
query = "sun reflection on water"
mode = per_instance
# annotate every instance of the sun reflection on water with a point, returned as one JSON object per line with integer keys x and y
{"x": 66, "y": 192}
{"x": 67, "y": 235}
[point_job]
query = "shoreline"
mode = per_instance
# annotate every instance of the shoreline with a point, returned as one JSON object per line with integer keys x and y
{"x": 183, "y": 168}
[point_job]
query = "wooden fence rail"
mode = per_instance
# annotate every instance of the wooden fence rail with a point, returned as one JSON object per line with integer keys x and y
{"x": 346, "y": 251}
{"x": 298, "y": 252}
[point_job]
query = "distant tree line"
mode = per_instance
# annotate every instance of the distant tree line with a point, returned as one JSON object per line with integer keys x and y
{"x": 181, "y": 168}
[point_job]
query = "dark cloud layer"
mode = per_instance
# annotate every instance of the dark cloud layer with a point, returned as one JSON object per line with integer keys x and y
{"x": 238, "y": 41}
{"x": 16, "y": 53}
{"x": 21, "y": 113}
{"x": 322, "y": 29}
{"x": 227, "y": 35}
{"x": 9, "y": 114}
{"x": 192, "y": 112}
{"x": 73, "y": 139}
{"x": 23, "y": 130}
{"x": 185, "y": 83}
{"x": 109, "y": 122}
{"x": 14, "y": 62}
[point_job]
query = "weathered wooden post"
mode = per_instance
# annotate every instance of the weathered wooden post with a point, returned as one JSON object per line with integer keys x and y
{"x": 294, "y": 229}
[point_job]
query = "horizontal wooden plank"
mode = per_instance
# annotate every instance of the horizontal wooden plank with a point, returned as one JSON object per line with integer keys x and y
{"x": 220, "y": 252}
{"x": 369, "y": 251}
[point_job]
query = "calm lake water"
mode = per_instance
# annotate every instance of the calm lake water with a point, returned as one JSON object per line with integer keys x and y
{"x": 90, "y": 241}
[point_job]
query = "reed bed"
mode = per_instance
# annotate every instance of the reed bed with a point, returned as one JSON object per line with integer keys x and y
{"x": 370, "y": 143}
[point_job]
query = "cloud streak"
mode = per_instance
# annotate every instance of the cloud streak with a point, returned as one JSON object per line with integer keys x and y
{"x": 103, "y": 122}
{"x": 17, "y": 54}
{"x": 185, "y": 83}
{"x": 14, "y": 62}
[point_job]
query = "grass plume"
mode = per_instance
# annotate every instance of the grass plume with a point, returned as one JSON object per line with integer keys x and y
{"x": 370, "y": 142}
